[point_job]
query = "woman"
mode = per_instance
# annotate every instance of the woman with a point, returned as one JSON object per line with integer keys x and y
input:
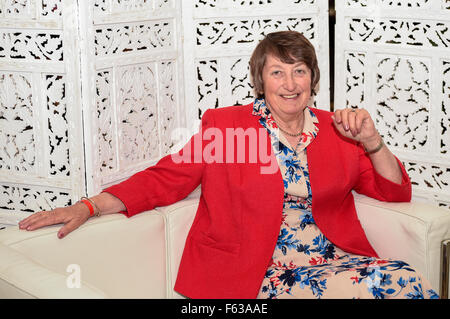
{"x": 288, "y": 232}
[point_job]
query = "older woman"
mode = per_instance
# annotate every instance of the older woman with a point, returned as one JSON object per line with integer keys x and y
{"x": 288, "y": 232}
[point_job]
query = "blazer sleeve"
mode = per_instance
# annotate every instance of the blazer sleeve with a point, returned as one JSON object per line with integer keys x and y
{"x": 372, "y": 184}
{"x": 173, "y": 178}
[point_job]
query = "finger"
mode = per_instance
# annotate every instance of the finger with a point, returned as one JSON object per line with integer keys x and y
{"x": 337, "y": 116}
{"x": 344, "y": 119}
{"x": 31, "y": 217}
{"x": 23, "y": 224}
{"x": 359, "y": 120}
{"x": 69, "y": 227}
{"x": 44, "y": 218}
{"x": 352, "y": 122}
{"x": 340, "y": 128}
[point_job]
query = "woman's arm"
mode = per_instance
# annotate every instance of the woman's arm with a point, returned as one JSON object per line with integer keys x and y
{"x": 359, "y": 126}
{"x": 72, "y": 216}
{"x": 159, "y": 185}
{"x": 383, "y": 160}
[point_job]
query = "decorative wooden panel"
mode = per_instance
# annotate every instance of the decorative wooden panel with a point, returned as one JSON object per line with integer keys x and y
{"x": 41, "y": 147}
{"x": 392, "y": 58}
{"x": 132, "y": 60}
{"x": 126, "y": 90}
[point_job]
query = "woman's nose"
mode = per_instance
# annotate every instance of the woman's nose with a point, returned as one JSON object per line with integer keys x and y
{"x": 289, "y": 83}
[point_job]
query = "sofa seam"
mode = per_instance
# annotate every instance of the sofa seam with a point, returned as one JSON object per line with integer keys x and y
{"x": 50, "y": 269}
{"x": 167, "y": 224}
{"x": 15, "y": 285}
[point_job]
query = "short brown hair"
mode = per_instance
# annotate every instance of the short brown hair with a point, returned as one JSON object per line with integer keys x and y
{"x": 288, "y": 46}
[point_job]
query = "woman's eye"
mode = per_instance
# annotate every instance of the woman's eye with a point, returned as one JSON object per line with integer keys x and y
{"x": 300, "y": 71}
{"x": 276, "y": 73}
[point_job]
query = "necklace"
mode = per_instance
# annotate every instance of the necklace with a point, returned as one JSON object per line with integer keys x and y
{"x": 290, "y": 134}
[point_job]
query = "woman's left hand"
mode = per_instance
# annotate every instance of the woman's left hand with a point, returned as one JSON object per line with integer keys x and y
{"x": 357, "y": 125}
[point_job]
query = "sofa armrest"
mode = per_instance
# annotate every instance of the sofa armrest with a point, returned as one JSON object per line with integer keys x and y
{"x": 24, "y": 278}
{"x": 178, "y": 220}
{"x": 118, "y": 257}
{"x": 412, "y": 232}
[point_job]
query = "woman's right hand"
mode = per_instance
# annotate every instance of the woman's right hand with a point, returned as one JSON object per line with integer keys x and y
{"x": 71, "y": 216}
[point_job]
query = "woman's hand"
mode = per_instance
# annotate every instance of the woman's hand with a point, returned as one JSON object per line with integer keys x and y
{"x": 357, "y": 125}
{"x": 71, "y": 216}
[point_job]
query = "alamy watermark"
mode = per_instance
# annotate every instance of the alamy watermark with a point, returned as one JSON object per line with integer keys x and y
{"x": 236, "y": 145}
{"x": 74, "y": 279}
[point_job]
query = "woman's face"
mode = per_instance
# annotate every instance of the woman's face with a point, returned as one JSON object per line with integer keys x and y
{"x": 287, "y": 87}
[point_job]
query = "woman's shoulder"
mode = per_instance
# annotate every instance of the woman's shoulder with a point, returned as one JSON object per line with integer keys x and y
{"x": 232, "y": 110}
{"x": 231, "y": 114}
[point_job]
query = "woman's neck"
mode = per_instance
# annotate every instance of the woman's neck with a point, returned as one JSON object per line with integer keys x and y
{"x": 292, "y": 124}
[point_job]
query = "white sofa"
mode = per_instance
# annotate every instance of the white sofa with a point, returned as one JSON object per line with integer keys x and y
{"x": 118, "y": 257}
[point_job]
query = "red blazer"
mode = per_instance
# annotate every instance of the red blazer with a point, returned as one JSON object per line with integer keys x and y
{"x": 234, "y": 233}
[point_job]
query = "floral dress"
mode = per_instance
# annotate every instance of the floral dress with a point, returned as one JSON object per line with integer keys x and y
{"x": 305, "y": 264}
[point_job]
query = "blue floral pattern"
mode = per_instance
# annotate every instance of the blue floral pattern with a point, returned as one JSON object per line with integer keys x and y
{"x": 305, "y": 264}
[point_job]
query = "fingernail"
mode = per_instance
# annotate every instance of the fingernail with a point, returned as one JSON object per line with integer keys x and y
{"x": 60, "y": 235}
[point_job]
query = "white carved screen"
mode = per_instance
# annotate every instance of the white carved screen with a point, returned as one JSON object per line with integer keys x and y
{"x": 41, "y": 147}
{"x": 132, "y": 60}
{"x": 393, "y": 59}
{"x": 89, "y": 92}
{"x": 220, "y": 36}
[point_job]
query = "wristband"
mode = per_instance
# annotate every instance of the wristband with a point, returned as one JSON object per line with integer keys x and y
{"x": 90, "y": 204}
{"x": 376, "y": 149}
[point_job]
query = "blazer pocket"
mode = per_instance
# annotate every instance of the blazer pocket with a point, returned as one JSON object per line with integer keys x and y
{"x": 205, "y": 240}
